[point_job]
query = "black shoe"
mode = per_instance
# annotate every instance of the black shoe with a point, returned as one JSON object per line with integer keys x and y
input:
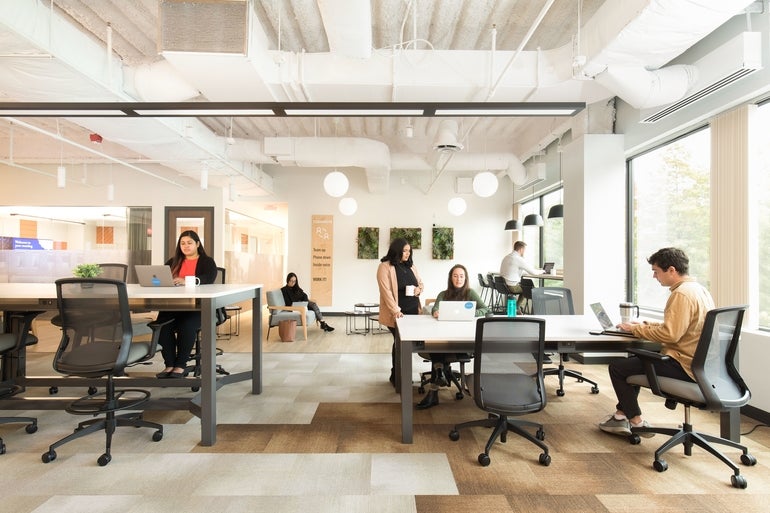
{"x": 392, "y": 378}
{"x": 162, "y": 375}
{"x": 429, "y": 401}
{"x": 326, "y": 327}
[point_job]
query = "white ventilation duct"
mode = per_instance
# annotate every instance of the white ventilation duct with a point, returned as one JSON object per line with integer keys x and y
{"x": 348, "y": 27}
{"x": 446, "y": 137}
{"x": 643, "y": 89}
{"x": 373, "y": 156}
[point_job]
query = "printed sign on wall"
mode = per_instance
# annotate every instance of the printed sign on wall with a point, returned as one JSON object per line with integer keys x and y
{"x": 321, "y": 268}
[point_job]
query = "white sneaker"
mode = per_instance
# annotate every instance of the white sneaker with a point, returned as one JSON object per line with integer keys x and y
{"x": 644, "y": 434}
{"x": 615, "y": 426}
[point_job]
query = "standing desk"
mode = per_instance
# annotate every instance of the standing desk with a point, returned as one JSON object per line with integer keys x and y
{"x": 563, "y": 333}
{"x": 22, "y": 297}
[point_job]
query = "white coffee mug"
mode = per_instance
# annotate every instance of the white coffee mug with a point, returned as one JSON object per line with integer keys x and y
{"x": 191, "y": 281}
{"x": 628, "y": 312}
{"x": 410, "y": 290}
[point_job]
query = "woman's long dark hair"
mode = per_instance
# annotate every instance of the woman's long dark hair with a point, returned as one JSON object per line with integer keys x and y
{"x": 395, "y": 251}
{"x": 453, "y": 293}
{"x": 295, "y": 288}
{"x": 176, "y": 262}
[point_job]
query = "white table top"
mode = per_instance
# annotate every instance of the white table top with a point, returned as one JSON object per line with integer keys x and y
{"x": 48, "y": 290}
{"x": 557, "y": 328}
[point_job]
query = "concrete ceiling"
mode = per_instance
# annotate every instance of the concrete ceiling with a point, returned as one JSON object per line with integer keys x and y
{"x": 320, "y": 51}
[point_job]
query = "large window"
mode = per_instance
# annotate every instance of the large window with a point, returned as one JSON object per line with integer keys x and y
{"x": 670, "y": 208}
{"x": 761, "y": 184}
{"x": 553, "y": 231}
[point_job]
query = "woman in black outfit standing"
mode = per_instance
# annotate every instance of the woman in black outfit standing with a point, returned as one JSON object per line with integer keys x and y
{"x": 400, "y": 288}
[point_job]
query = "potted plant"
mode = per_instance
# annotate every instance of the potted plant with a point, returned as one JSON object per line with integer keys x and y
{"x": 87, "y": 271}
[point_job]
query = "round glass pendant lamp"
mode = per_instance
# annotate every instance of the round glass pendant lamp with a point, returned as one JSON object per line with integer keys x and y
{"x": 348, "y": 206}
{"x": 485, "y": 184}
{"x": 336, "y": 184}
{"x": 456, "y": 206}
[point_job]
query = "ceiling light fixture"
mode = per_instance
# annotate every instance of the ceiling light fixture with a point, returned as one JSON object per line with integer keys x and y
{"x": 61, "y": 177}
{"x": 336, "y": 184}
{"x": 558, "y": 210}
{"x": 513, "y": 224}
{"x": 485, "y": 184}
{"x": 348, "y": 206}
{"x": 457, "y": 206}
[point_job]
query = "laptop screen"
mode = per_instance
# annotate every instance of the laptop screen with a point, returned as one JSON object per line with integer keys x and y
{"x": 456, "y": 310}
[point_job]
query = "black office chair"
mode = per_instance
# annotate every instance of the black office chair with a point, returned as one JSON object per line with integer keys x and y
{"x": 507, "y": 380}
{"x": 97, "y": 342}
{"x": 558, "y": 301}
{"x": 484, "y": 289}
{"x": 454, "y": 378}
{"x": 112, "y": 271}
{"x": 503, "y": 293}
{"x": 10, "y": 343}
{"x": 718, "y": 387}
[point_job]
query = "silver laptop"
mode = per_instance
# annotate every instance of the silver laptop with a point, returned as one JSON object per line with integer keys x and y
{"x": 154, "y": 275}
{"x": 456, "y": 310}
{"x": 608, "y": 327}
{"x": 547, "y": 266}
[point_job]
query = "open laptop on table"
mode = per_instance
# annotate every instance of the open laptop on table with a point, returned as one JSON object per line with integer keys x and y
{"x": 548, "y": 266}
{"x": 456, "y": 310}
{"x": 608, "y": 327}
{"x": 154, "y": 275}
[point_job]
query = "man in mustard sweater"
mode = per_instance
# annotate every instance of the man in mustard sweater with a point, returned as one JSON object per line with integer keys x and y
{"x": 683, "y": 319}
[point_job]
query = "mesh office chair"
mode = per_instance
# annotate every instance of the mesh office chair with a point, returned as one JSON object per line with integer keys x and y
{"x": 97, "y": 342}
{"x": 718, "y": 387}
{"x": 507, "y": 380}
{"x": 10, "y": 343}
{"x": 111, "y": 271}
{"x": 453, "y": 377}
{"x": 558, "y": 301}
{"x": 501, "y": 304}
{"x": 484, "y": 290}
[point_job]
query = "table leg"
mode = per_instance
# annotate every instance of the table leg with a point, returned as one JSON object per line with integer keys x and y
{"x": 208, "y": 391}
{"x": 256, "y": 342}
{"x": 404, "y": 351}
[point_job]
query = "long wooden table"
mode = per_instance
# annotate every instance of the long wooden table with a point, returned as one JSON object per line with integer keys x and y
{"x": 24, "y": 297}
{"x": 423, "y": 333}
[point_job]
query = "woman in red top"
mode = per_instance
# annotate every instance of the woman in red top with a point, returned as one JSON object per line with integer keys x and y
{"x": 178, "y": 338}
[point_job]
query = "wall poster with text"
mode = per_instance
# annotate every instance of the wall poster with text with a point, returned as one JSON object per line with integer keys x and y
{"x": 322, "y": 258}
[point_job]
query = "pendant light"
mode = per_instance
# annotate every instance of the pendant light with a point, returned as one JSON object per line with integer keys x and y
{"x": 533, "y": 219}
{"x": 513, "y": 224}
{"x": 558, "y": 210}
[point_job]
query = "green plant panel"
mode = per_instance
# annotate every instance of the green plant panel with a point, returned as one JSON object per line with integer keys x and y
{"x": 368, "y": 242}
{"x": 443, "y": 243}
{"x": 412, "y": 235}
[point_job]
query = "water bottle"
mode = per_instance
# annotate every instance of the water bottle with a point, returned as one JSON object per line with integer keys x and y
{"x": 155, "y": 281}
{"x": 511, "y": 307}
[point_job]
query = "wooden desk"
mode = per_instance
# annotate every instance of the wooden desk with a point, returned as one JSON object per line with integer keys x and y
{"x": 20, "y": 297}
{"x": 563, "y": 333}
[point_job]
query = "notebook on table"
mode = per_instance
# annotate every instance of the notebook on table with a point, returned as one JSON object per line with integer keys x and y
{"x": 154, "y": 275}
{"x": 608, "y": 327}
{"x": 456, "y": 310}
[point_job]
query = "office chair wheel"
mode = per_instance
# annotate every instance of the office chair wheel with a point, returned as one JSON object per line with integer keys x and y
{"x": 48, "y": 456}
{"x": 454, "y": 435}
{"x": 738, "y": 481}
{"x": 660, "y": 465}
{"x": 53, "y": 390}
{"x": 540, "y": 434}
{"x": 104, "y": 459}
{"x": 459, "y": 395}
{"x": 635, "y": 440}
{"x": 560, "y": 392}
{"x": 31, "y": 428}
{"x": 594, "y": 389}
{"x": 157, "y": 436}
{"x": 580, "y": 380}
{"x": 748, "y": 459}
{"x": 195, "y": 389}
{"x": 92, "y": 390}
{"x": 484, "y": 459}
{"x": 544, "y": 459}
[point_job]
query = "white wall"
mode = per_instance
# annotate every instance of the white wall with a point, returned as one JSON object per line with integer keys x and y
{"x": 480, "y": 239}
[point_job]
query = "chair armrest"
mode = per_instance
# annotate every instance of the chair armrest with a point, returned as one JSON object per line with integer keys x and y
{"x": 649, "y": 358}
{"x": 156, "y": 326}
